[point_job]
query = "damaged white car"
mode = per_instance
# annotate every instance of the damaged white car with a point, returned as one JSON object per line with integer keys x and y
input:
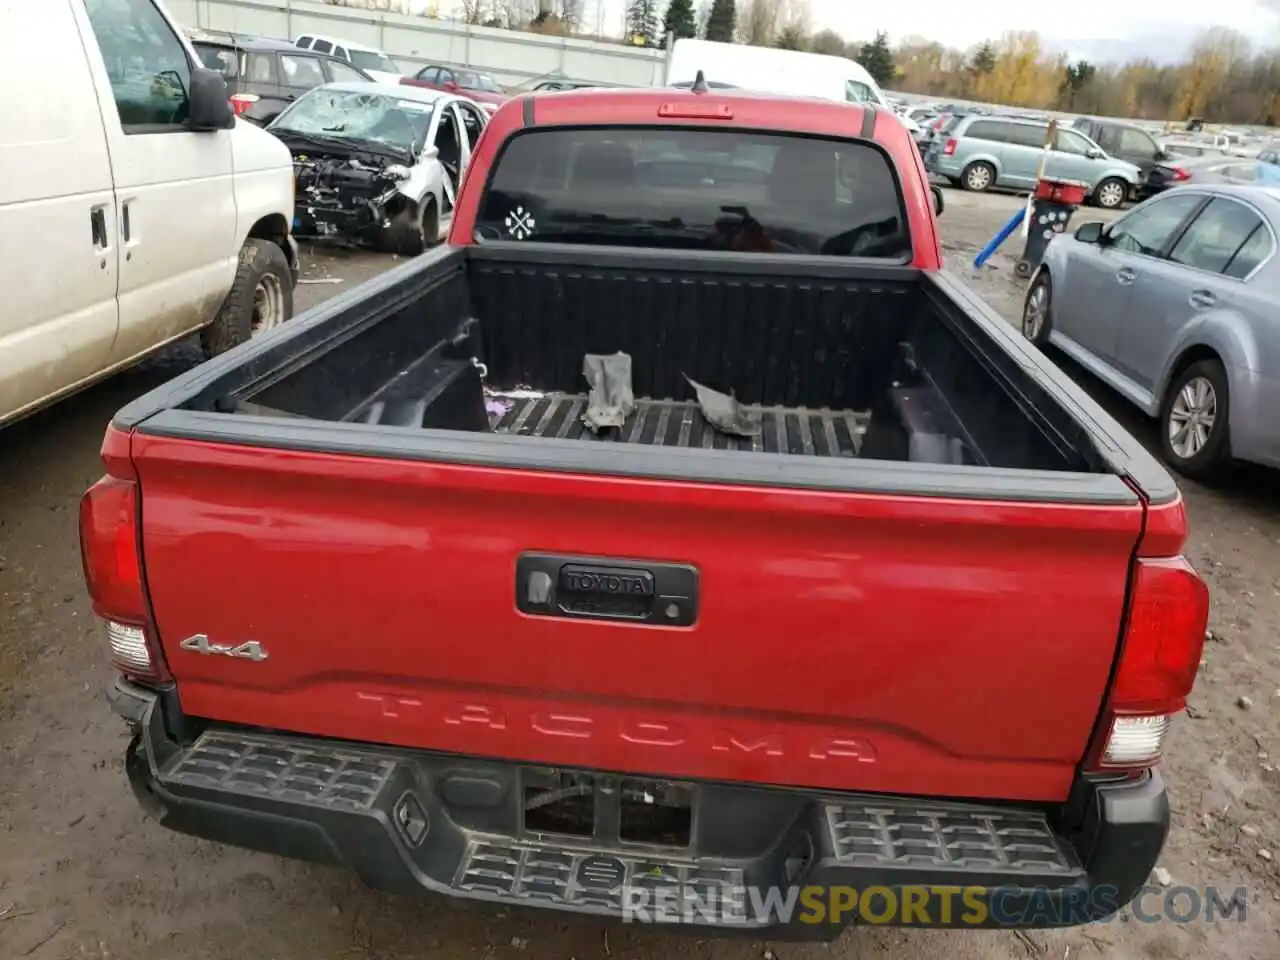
{"x": 378, "y": 163}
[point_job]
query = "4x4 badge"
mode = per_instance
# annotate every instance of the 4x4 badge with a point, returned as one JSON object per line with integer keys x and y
{"x": 252, "y": 650}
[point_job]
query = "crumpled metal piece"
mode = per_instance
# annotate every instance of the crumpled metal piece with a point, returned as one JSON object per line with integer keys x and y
{"x": 611, "y": 399}
{"x": 724, "y": 412}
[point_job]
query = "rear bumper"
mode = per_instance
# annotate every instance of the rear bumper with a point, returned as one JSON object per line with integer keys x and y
{"x": 408, "y": 821}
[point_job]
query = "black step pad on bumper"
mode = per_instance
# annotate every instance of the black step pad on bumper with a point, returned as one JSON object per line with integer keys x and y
{"x": 271, "y": 767}
{"x": 409, "y": 820}
{"x": 997, "y": 841}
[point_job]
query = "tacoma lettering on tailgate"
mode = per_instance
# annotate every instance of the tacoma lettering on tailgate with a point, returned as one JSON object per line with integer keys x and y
{"x": 646, "y": 731}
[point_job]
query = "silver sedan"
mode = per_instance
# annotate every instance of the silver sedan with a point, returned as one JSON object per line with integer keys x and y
{"x": 1175, "y": 306}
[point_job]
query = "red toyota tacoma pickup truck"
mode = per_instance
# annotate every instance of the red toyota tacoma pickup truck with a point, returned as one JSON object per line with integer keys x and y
{"x": 678, "y": 527}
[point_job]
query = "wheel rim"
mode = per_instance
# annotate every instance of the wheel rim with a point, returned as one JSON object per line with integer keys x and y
{"x": 268, "y": 304}
{"x": 1111, "y": 194}
{"x": 979, "y": 178}
{"x": 1192, "y": 416}
{"x": 1033, "y": 313}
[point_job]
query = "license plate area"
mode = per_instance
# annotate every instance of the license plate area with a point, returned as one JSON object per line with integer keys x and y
{"x": 605, "y": 809}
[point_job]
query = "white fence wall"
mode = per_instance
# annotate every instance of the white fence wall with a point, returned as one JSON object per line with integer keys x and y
{"x": 512, "y": 58}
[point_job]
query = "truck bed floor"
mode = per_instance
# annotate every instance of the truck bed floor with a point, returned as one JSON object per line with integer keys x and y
{"x": 679, "y": 423}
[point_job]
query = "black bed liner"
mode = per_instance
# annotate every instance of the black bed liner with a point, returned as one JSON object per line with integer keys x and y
{"x": 679, "y": 423}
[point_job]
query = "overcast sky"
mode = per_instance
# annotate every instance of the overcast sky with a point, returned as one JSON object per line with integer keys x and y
{"x": 1096, "y": 29}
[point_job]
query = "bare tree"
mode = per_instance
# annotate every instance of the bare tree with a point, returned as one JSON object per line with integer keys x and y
{"x": 828, "y": 42}
{"x": 571, "y": 15}
{"x": 473, "y": 11}
{"x": 390, "y": 6}
{"x": 795, "y": 16}
{"x": 759, "y": 21}
{"x": 704, "y": 14}
{"x": 516, "y": 14}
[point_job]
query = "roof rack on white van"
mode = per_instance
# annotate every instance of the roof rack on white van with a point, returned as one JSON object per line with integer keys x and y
{"x": 336, "y": 41}
{"x": 369, "y": 59}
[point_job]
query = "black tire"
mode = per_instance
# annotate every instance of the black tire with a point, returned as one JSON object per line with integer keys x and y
{"x": 263, "y": 283}
{"x": 430, "y": 225}
{"x": 1213, "y": 457}
{"x": 1106, "y": 190}
{"x": 1041, "y": 292}
{"x": 411, "y": 232}
{"x": 978, "y": 177}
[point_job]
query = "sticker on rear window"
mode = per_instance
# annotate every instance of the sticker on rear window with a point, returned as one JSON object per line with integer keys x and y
{"x": 520, "y": 223}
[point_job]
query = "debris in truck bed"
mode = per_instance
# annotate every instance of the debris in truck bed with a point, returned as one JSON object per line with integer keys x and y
{"x": 611, "y": 399}
{"x": 724, "y": 412}
{"x": 496, "y": 408}
{"x": 679, "y": 423}
{"x": 515, "y": 393}
{"x": 498, "y": 403}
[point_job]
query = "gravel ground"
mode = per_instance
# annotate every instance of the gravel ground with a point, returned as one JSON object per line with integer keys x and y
{"x": 84, "y": 874}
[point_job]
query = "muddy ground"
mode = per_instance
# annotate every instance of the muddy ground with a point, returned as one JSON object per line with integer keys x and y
{"x": 84, "y": 874}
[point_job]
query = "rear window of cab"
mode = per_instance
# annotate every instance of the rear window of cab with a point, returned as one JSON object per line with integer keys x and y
{"x": 685, "y": 188}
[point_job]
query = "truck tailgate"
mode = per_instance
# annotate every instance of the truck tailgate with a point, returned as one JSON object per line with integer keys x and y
{"x": 837, "y": 640}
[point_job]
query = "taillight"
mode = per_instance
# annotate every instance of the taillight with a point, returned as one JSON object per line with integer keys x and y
{"x": 1159, "y": 658}
{"x": 110, "y": 552}
{"x": 1177, "y": 173}
{"x": 949, "y": 148}
{"x": 240, "y": 102}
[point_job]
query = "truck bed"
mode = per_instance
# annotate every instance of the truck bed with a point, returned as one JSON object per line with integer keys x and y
{"x": 864, "y": 614}
{"x": 871, "y": 363}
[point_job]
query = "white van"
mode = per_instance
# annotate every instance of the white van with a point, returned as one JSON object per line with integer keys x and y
{"x": 768, "y": 70}
{"x": 369, "y": 59}
{"x": 135, "y": 209}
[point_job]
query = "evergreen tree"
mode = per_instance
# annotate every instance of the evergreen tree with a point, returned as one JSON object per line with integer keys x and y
{"x": 642, "y": 23}
{"x": 984, "y": 59}
{"x": 723, "y": 19}
{"x": 1075, "y": 77}
{"x": 877, "y": 58}
{"x": 679, "y": 19}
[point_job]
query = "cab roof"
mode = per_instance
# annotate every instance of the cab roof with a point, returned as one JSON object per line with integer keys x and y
{"x": 601, "y": 106}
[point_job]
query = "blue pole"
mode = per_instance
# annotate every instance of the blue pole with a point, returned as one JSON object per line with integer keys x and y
{"x": 994, "y": 244}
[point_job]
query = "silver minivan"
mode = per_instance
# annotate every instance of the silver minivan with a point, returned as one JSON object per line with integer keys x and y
{"x": 981, "y": 152}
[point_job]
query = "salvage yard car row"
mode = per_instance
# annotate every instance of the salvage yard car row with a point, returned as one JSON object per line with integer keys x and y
{"x": 1117, "y": 161}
